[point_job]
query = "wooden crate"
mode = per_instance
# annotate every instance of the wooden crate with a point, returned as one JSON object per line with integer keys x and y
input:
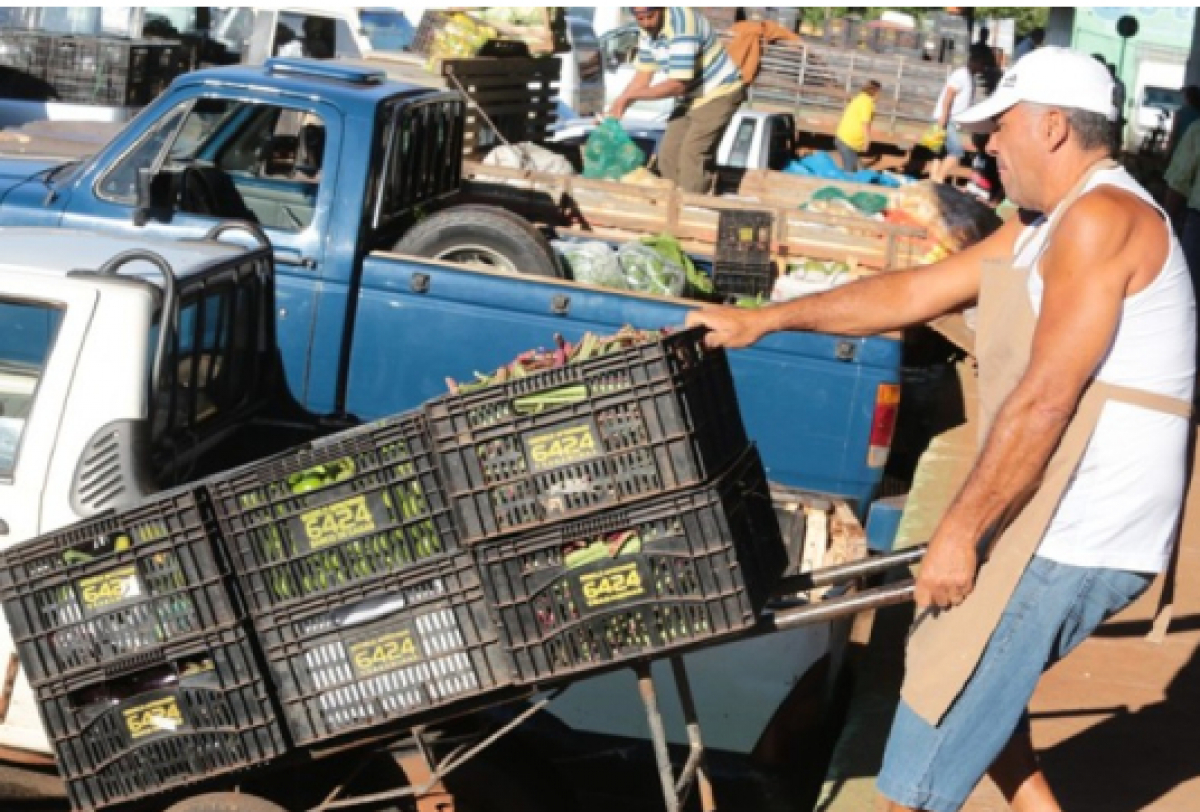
{"x": 516, "y": 94}
{"x": 610, "y": 210}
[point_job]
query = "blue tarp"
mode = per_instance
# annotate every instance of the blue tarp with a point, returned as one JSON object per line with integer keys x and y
{"x": 824, "y": 165}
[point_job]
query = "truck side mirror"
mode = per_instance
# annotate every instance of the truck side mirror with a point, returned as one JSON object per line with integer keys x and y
{"x": 154, "y": 192}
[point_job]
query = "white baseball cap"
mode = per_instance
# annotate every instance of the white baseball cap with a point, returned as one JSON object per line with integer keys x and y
{"x": 1059, "y": 77}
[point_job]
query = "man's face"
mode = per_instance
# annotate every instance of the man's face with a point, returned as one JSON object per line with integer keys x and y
{"x": 649, "y": 20}
{"x": 1017, "y": 148}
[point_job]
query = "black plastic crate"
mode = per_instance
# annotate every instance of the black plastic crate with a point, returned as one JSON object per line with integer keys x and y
{"x": 342, "y": 510}
{"x": 733, "y": 280}
{"x": 637, "y": 582}
{"x": 644, "y": 420}
{"x": 199, "y": 710}
{"x": 742, "y": 260}
{"x": 386, "y": 651}
{"x": 118, "y": 586}
{"x": 744, "y": 237}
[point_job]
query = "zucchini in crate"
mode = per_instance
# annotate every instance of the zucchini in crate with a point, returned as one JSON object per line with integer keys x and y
{"x": 350, "y": 508}
{"x": 566, "y": 432}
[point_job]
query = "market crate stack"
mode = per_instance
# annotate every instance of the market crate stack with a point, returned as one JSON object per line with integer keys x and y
{"x": 367, "y": 610}
{"x": 135, "y": 643}
{"x": 614, "y": 505}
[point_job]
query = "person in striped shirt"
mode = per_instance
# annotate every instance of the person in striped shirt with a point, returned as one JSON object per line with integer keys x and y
{"x": 700, "y": 75}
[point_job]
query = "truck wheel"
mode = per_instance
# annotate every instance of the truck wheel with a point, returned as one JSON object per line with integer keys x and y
{"x": 226, "y": 802}
{"x": 483, "y": 236}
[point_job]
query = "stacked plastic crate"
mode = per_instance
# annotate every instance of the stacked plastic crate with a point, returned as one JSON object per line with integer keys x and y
{"x": 366, "y": 607}
{"x": 111, "y": 71}
{"x": 134, "y": 641}
{"x": 613, "y": 505}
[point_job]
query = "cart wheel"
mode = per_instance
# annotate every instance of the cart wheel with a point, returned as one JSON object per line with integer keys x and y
{"x": 226, "y": 802}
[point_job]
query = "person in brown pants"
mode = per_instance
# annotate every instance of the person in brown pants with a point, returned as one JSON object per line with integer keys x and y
{"x": 700, "y": 74}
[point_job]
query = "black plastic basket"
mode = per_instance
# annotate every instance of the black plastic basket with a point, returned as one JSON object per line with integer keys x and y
{"x": 343, "y": 510}
{"x": 733, "y": 280}
{"x": 199, "y": 710}
{"x": 115, "y": 587}
{"x": 742, "y": 259}
{"x": 645, "y": 420}
{"x": 671, "y": 571}
{"x": 383, "y": 652}
{"x": 744, "y": 237}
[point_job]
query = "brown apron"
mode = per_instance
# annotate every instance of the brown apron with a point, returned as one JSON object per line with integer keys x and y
{"x": 945, "y": 646}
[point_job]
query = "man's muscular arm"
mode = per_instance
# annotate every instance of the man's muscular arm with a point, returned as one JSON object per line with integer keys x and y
{"x": 887, "y": 301}
{"x": 1088, "y": 270}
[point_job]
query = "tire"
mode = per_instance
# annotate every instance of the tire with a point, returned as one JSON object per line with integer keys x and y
{"x": 482, "y": 236}
{"x": 225, "y": 802}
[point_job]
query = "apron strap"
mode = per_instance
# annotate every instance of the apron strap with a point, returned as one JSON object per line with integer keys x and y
{"x": 1166, "y": 404}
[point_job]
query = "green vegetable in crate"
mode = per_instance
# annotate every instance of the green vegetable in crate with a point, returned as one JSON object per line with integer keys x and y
{"x": 667, "y": 246}
{"x": 647, "y": 271}
{"x": 589, "y": 348}
{"x": 321, "y": 476}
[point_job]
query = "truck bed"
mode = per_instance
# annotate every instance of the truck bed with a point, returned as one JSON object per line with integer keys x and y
{"x": 812, "y": 428}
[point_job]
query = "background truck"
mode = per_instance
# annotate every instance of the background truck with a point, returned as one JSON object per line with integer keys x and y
{"x": 363, "y": 330}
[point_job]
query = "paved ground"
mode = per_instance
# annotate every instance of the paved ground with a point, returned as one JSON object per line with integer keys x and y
{"x": 1117, "y": 723}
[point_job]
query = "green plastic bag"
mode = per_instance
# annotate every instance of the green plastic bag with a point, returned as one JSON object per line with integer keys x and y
{"x": 610, "y": 153}
{"x": 667, "y": 246}
{"x": 869, "y": 202}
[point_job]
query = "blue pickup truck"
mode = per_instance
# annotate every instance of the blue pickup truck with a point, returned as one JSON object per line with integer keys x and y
{"x": 344, "y": 171}
{"x": 355, "y": 180}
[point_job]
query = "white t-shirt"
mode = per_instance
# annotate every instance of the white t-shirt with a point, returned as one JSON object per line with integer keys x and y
{"x": 964, "y": 86}
{"x": 1121, "y": 507}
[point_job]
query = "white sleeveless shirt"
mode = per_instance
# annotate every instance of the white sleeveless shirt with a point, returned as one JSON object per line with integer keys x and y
{"x": 1121, "y": 507}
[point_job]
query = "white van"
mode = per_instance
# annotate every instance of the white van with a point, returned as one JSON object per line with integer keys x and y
{"x": 323, "y": 33}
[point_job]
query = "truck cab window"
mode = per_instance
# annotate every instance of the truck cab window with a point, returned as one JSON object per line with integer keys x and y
{"x": 25, "y": 345}
{"x": 258, "y": 162}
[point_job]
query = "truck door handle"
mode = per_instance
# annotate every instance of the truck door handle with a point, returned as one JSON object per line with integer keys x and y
{"x": 3, "y": 528}
{"x": 295, "y": 258}
{"x": 560, "y": 305}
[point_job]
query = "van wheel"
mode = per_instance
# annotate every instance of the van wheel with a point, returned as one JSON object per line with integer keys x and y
{"x": 226, "y": 802}
{"x": 482, "y": 236}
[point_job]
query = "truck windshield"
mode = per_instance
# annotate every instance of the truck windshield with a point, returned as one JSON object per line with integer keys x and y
{"x": 25, "y": 345}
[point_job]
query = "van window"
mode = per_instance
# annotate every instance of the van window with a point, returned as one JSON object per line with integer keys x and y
{"x": 28, "y": 337}
{"x": 1164, "y": 98}
{"x": 314, "y": 36}
{"x": 743, "y": 141}
{"x": 386, "y": 29}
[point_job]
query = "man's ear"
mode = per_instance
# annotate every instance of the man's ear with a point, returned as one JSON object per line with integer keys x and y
{"x": 1054, "y": 128}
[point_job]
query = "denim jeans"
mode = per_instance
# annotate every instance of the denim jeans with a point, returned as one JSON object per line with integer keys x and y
{"x": 848, "y": 155}
{"x": 1054, "y": 609}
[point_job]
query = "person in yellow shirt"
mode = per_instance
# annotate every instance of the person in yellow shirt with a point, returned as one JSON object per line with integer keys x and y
{"x": 854, "y": 131}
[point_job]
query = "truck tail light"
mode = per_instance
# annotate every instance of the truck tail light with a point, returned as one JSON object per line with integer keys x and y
{"x": 883, "y": 424}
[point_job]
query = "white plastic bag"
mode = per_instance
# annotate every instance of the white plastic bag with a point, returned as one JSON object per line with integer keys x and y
{"x": 529, "y": 156}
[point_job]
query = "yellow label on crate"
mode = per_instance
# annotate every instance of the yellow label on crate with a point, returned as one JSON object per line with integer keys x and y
{"x": 562, "y": 447}
{"x": 160, "y": 716}
{"x": 385, "y": 653}
{"x": 110, "y": 588}
{"x": 612, "y": 585}
{"x": 338, "y": 522}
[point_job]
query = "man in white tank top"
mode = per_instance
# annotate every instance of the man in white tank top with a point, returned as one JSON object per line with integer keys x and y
{"x": 1114, "y": 307}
